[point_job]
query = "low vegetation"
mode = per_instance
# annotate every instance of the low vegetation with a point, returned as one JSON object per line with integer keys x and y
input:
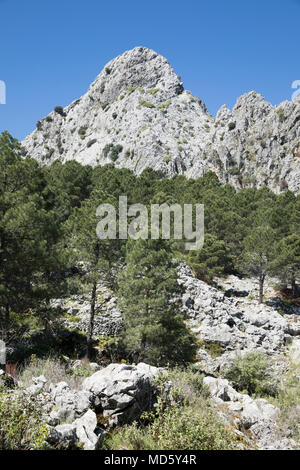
{"x": 251, "y": 373}
{"x": 22, "y": 426}
{"x": 184, "y": 419}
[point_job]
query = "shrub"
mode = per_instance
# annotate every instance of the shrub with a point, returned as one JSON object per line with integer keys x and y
{"x": 234, "y": 171}
{"x": 281, "y": 114}
{"x": 59, "y": 110}
{"x": 91, "y": 142}
{"x": 53, "y": 369}
{"x": 164, "y": 106}
{"x": 21, "y": 424}
{"x": 214, "y": 349}
{"x": 131, "y": 89}
{"x": 176, "y": 429}
{"x": 147, "y": 104}
{"x": 288, "y": 400}
{"x": 84, "y": 370}
{"x": 153, "y": 91}
{"x": 49, "y": 154}
{"x": 113, "y": 151}
{"x": 251, "y": 373}
{"x": 82, "y": 131}
{"x": 185, "y": 420}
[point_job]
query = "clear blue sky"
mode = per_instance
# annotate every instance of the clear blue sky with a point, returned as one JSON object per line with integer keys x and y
{"x": 51, "y": 50}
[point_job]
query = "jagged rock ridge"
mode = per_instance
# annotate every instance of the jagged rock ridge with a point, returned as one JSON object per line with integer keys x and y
{"x": 137, "y": 114}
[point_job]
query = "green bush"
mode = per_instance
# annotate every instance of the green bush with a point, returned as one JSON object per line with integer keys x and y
{"x": 288, "y": 400}
{"x": 91, "y": 142}
{"x": 147, "y": 104}
{"x": 177, "y": 429}
{"x": 82, "y": 131}
{"x": 59, "y": 110}
{"x": 21, "y": 424}
{"x": 281, "y": 114}
{"x": 112, "y": 151}
{"x": 251, "y": 373}
{"x": 184, "y": 420}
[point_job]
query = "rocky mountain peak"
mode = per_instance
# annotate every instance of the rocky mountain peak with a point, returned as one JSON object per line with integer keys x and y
{"x": 137, "y": 114}
{"x": 137, "y": 68}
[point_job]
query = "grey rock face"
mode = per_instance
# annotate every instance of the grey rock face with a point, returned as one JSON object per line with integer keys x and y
{"x": 63, "y": 436}
{"x": 233, "y": 323}
{"x": 71, "y": 404}
{"x": 122, "y": 391}
{"x": 85, "y": 427}
{"x": 255, "y": 415}
{"x": 108, "y": 320}
{"x": 137, "y": 113}
{"x": 38, "y": 385}
{"x": 80, "y": 433}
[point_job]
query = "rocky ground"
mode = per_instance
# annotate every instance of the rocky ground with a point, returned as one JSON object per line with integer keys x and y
{"x": 119, "y": 393}
{"x": 227, "y": 319}
{"x": 229, "y": 316}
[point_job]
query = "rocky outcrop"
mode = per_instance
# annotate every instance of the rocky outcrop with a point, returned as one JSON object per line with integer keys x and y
{"x": 234, "y": 323}
{"x": 228, "y": 316}
{"x": 82, "y": 433}
{"x": 119, "y": 393}
{"x": 256, "y": 416}
{"x": 108, "y": 319}
{"x": 137, "y": 114}
{"x": 71, "y": 404}
{"x": 122, "y": 392}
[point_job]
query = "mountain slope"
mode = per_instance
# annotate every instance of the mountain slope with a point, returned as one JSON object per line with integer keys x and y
{"x": 137, "y": 114}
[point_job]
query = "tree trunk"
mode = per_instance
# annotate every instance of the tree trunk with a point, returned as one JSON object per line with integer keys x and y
{"x": 91, "y": 321}
{"x": 93, "y": 303}
{"x": 294, "y": 288}
{"x": 7, "y": 313}
{"x": 261, "y": 288}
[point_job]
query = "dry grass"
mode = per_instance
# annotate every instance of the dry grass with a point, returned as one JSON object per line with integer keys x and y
{"x": 54, "y": 371}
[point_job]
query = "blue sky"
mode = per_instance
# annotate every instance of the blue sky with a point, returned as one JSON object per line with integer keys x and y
{"x": 51, "y": 50}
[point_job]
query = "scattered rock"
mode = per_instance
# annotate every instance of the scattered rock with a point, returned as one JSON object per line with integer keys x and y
{"x": 122, "y": 391}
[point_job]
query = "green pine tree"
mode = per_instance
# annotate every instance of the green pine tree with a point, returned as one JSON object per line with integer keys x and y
{"x": 258, "y": 255}
{"x": 149, "y": 296}
{"x": 214, "y": 259}
{"x": 85, "y": 246}
{"x": 287, "y": 262}
{"x": 28, "y": 233}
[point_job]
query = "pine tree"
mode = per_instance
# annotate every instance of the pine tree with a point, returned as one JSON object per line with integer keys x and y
{"x": 287, "y": 261}
{"x": 97, "y": 255}
{"x": 28, "y": 233}
{"x": 214, "y": 259}
{"x": 258, "y": 255}
{"x": 149, "y": 296}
